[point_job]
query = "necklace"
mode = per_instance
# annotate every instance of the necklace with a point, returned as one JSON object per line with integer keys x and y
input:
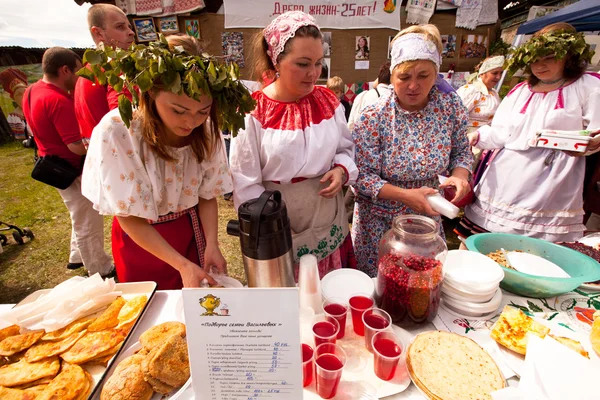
{"x": 551, "y": 82}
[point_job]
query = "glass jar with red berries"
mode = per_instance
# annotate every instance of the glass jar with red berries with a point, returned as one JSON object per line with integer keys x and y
{"x": 410, "y": 269}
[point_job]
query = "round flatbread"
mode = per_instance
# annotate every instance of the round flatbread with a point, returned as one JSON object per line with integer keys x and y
{"x": 70, "y": 384}
{"x": 157, "y": 335}
{"x": 447, "y": 366}
{"x": 127, "y": 382}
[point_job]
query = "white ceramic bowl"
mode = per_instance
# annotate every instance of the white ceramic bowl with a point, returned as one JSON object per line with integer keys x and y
{"x": 471, "y": 271}
{"x": 474, "y": 309}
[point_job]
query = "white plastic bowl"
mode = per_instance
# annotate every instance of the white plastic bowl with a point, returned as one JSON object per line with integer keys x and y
{"x": 471, "y": 271}
{"x": 460, "y": 295}
{"x": 474, "y": 309}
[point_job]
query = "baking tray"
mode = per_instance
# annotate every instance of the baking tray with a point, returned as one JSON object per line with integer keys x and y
{"x": 129, "y": 290}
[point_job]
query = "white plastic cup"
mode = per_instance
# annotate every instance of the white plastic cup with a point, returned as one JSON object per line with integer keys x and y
{"x": 439, "y": 204}
{"x": 309, "y": 284}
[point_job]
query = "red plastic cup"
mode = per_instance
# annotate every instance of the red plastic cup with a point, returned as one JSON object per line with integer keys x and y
{"x": 358, "y": 304}
{"x": 329, "y": 362}
{"x": 375, "y": 320}
{"x": 338, "y": 309}
{"x": 307, "y": 364}
{"x": 387, "y": 349}
{"x": 325, "y": 329}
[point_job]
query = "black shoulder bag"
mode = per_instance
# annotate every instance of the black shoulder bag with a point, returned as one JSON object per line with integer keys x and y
{"x": 53, "y": 170}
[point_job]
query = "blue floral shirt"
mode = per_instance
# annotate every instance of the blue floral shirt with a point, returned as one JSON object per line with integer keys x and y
{"x": 409, "y": 149}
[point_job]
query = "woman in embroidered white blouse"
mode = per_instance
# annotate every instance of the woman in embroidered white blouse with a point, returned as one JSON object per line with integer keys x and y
{"x": 160, "y": 178}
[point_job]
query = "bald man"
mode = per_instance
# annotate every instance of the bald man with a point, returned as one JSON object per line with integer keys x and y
{"x": 108, "y": 25}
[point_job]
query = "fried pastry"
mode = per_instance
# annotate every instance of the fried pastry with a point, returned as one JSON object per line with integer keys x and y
{"x": 74, "y": 327}
{"x": 9, "y": 331}
{"x": 109, "y": 318}
{"x": 17, "y": 343}
{"x": 157, "y": 335}
{"x": 43, "y": 350}
{"x": 168, "y": 363}
{"x": 512, "y": 328}
{"x": 17, "y": 394}
{"x": 127, "y": 382}
{"x": 70, "y": 384}
{"x": 39, "y": 382}
{"x": 132, "y": 309}
{"x": 22, "y": 372}
{"x": 92, "y": 345}
{"x": 595, "y": 333}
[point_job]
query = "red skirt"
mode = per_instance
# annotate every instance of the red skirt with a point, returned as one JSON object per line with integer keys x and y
{"x": 183, "y": 231}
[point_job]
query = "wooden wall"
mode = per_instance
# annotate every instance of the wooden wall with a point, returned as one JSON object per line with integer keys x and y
{"x": 343, "y": 41}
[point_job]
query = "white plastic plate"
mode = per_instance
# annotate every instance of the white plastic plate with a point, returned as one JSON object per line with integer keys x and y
{"x": 345, "y": 282}
{"x": 535, "y": 265}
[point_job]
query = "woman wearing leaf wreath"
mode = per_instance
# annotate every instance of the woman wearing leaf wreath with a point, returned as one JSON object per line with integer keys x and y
{"x": 160, "y": 169}
{"x": 296, "y": 141}
{"x": 533, "y": 191}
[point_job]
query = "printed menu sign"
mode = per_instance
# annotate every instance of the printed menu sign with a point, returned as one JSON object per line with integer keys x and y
{"x": 244, "y": 343}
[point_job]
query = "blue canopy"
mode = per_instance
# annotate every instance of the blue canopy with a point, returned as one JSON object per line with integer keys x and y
{"x": 583, "y": 15}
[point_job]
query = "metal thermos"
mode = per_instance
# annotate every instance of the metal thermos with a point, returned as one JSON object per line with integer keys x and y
{"x": 264, "y": 230}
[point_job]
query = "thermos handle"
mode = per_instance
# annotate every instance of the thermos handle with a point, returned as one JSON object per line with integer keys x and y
{"x": 255, "y": 217}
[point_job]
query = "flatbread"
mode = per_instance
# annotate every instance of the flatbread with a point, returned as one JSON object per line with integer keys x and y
{"x": 14, "y": 344}
{"x": 43, "y": 350}
{"x": 9, "y": 331}
{"x": 92, "y": 345}
{"x": 109, "y": 318}
{"x": 132, "y": 309}
{"x": 17, "y": 394}
{"x": 449, "y": 366}
{"x": 169, "y": 362}
{"x": 39, "y": 382}
{"x": 127, "y": 382}
{"x": 157, "y": 335}
{"x": 512, "y": 328}
{"x": 74, "y": 327}
{"x": 23, "y": 372}
{"x": 70, "y": 384}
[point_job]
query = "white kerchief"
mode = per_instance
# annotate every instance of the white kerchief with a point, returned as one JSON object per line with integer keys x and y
{"x": 414, "y": 46}
{"x": 490, "y": 64}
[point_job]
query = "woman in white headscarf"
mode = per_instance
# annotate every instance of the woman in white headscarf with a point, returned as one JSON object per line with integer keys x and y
{"x": 479, "y": 96}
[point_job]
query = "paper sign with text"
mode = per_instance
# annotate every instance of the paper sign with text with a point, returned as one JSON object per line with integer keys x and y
{"x": 244, "y": 343}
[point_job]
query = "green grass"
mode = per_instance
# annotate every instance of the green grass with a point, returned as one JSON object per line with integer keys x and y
{"x": 41, "y": 263}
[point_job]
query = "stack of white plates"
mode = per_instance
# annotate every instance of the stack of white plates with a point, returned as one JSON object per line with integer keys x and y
{"x": 471, "y": 286}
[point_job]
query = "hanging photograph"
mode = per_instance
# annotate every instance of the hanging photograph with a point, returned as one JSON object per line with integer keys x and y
{"x": 473, "y": 46}
{"x": 168, "y": 24}
{"x": 362, "y": 47}
{"x": 233, "y": 47}
{"x": 389, "y": 53}
{"x": 192, "y": 28}
{"x": 144, "y": 29}
{"x": 326, "y": 44}
{"x": 326, "y": 69}
{"x": 448, "y": 46}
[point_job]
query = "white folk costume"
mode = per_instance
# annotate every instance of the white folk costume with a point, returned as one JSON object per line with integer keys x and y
{"x": 480, "y": 102}
{"x": 533, "y": 191}
{"x": 289, "y": 147}
{"x": 124, "y": 177}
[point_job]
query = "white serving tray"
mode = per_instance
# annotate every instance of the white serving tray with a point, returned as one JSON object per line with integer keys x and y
{"x": 129, "y": 290}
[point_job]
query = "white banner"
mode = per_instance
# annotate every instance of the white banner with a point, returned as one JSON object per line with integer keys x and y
{"x": 339, "y": 14}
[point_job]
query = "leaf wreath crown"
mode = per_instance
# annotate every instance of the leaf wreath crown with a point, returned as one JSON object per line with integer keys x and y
{"x": 558, "y": 43}
{"x": 140, "y": 68}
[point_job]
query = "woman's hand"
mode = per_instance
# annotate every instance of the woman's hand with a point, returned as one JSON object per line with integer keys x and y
{"x": 473, "y": 138}
{"x": 416, "y": 199}
{"x": 192, "y": 275}
{"x": 461, "y": 186}
{"x": 336, "y": 176}
{"x": 214, "y": 260}
{"x": 593, "y": 146}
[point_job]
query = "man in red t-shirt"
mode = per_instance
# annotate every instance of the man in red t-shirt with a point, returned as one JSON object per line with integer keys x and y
{"x": 50, "y": 113}
{"x": 108, "y": 25}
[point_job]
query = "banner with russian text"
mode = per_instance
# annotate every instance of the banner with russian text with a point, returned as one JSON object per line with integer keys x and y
{"x": 337, "y": 14}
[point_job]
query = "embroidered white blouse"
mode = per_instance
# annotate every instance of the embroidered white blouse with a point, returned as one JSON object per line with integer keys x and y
{"x": 123, "y": 177}
{"x": 480, "y": 102}
{"x": 282, "y": 141}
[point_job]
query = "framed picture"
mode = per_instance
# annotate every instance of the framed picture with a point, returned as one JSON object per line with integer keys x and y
{"x": 233, "y": 47}
{"x": 168, "y": 24}
{"x": 361, "y": 48}
{"x": 145, "y": 29}
{"x": 325, "y": 70}
{"x": 192, "y": 28}
{"x": 326, "y": 44}
{"x": 448, "y": 46}
{"x": 473, "y": 46}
